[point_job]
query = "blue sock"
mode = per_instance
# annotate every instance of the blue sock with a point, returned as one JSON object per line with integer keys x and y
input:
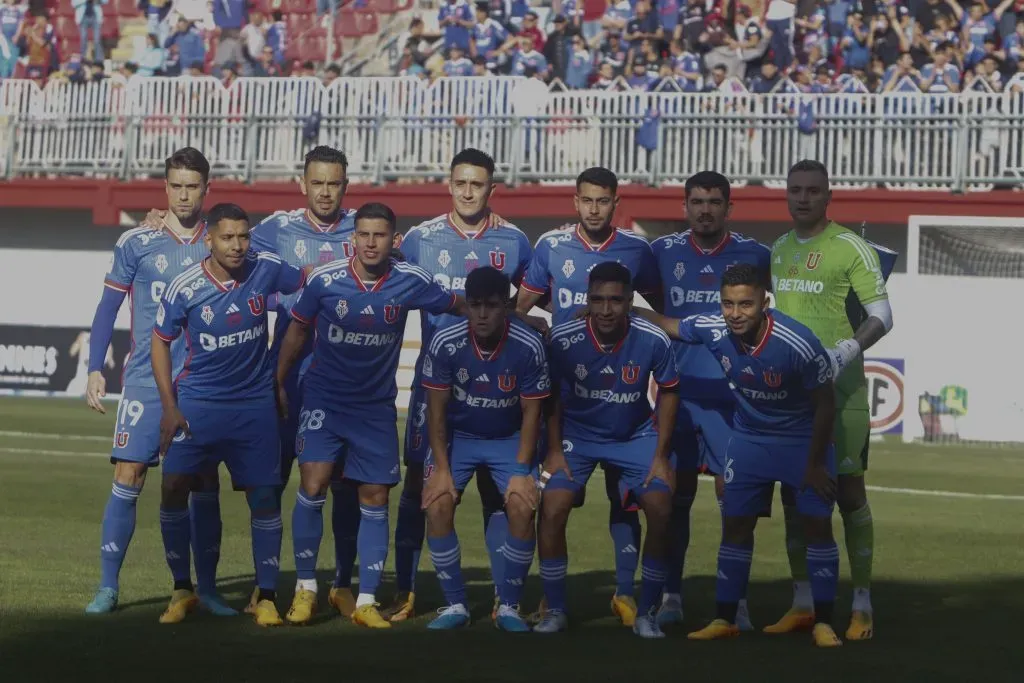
{"x": 176, "y": 532}
{"x": 652, "y": 583}
{"x": 495, "y": 533}
{"x": 204, "y": 507}
{"x": 518, "y": 556}
{"x": 624, "y": 527}
{"x": 447, "y": 558}
{"x": 823, "y": 571}
{"x": 552, "y": 576}
{"x": 680, "y": 542}
{"x": 307, "y": 531}
{"x": 409, "y": 531}
{"x": 372, "y": 546}
{"x": 267, "y": 532}
{"x": 117, "y": 531}
{"x": 733, "y": 572}
{"x": 345, "y": 524}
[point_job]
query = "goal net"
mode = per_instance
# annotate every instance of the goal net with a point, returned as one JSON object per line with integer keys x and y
{"x": 963, "y": 290}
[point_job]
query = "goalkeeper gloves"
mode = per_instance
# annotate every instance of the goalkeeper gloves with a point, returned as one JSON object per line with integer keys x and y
{"x": 844, "y": 353}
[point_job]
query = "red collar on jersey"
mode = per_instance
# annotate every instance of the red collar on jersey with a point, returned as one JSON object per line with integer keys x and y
{"x": 490, "y": 222}
{"x": 597, "y": 343}
{"x": 590, "y": 247}
{"x": 359, "y": 281}
{"x": 320, "y": 227}
{"x": 763, "y": 341}
{"x": 713, "y": 251}
{"x": 195, "y": 237}
{"x": 489, "y": 355}
{"x": 222, "y": 286}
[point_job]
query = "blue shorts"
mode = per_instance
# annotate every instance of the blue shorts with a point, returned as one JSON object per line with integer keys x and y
{"x": 631, "y": 458}
{"x": 466, "y": 454}
{"x": 416, "y": 440}
{"x": 752, "y": 468}
{"x": 701, "y": 435}
{"x": 363, "y": 440}
{"x": 137, "y": 430}
{"x": 244, "y": 436}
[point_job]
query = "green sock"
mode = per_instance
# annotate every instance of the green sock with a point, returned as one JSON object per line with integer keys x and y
{"x": 796, "y": 545}
{"x": 860, "y": 544}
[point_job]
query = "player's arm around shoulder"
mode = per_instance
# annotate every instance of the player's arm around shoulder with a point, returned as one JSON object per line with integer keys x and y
{"x": 263, "y": 235}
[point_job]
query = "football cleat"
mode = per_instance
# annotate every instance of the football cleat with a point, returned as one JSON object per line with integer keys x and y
{"x": 450, "y": 618}
{"x": 104, "y": 602}
{"x": 824, "y": 636}
{"x": 253, "y": 599}
{"x": 303, "y": 607}
{"x": 646, "y": 626}
{"x": 862, "y": 626}
{"x": 542, "y": 608}
{"x": 670, "y": 612}
{"x": 508, "y": 619}
{"x": 624, "y": 607}
{"x": 494, "y": 608}
{"x": 716, "y": 630}
{"x": 182, "y": 602}
{"x": 402, "y": 608}
{"x": 743, "y": 618}
{"x": 266, "y": 614}
{"x": 552, "y": 621}
{"x": 795, "y": 619}
{"x": 215, "y": 605}
{"x": 342, "y": 600}
{"x": 368, "y": 616}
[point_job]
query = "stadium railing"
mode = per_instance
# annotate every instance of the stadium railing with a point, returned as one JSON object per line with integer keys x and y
{"x": 400, "y": 127}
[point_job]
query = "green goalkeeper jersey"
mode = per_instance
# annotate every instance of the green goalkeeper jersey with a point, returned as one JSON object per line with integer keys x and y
{"x": 811, "y": 280}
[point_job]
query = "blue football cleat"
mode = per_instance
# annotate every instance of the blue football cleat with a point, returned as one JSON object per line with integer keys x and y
{"x": 105, "y": 602}
{"x": 509, "y": 619}
{"x": 449, "y": 618}
{"x": 215, "y": 605}
{"x": 671, "y": 611}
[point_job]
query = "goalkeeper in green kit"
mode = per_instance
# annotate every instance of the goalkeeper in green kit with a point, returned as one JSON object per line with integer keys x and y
{"x": 815, "y": 268}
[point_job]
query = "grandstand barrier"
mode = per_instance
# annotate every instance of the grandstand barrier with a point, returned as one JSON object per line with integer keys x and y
{"x": 397, "y": 127}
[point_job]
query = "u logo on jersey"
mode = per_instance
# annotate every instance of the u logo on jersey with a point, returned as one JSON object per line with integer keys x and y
{"x": 506, "y": 382}
{"x": 630, "y": 373}
{"x": 121, "y": 439}
{"x": 256, "y": 304}
{"x": 497, "y": 259}
{"x": 772, "y": 378}
{"x": 348, "y": 249}
{"x": 813, "y": 259}
{"x": 391, "y": 313}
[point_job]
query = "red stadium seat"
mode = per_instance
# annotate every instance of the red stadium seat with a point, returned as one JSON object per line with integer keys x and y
{"x": 64, "y": 9}
{"x": 69, "y": 45}
{"x": 389, "y": 6}
{"x": 355, "y": 24}
{"x": 292, "y": 53}
{"x": 126, "y": 8}
{"x": 65, "y": 27}
{"x": 111, "y": 29}
{"x": 299, "y": 23}
{"x": 299, "y": 6}
{"x": 313, "y": 48}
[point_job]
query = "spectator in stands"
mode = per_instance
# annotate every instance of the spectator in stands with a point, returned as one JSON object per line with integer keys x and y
{"x": 11, "y": 18}
{"x": 228, "y": 74}
{"x": 613, "y": 52}
{"x": 480, "y": 67}
{"x": 885, "y": 40}
{"x": 941, "y": 76}
{"x": 606, "y": 79}
{"x": 326, "y": 7}
{"x": 89, "y": 15}
{"x": 778, "y": 18}
{"x": 277, "y": 36}
{"x": 691, "y": 24}
{"x": 902, "y": 76}
{"x": 977, "y": 24}
{"x": 150, "y": 58}
{"x": 648, "y": 55}
{"x": 517, "y": 10}
{"x": 639, "y": 78}
{"x": 457, "y": 63}
{"x": 194, "y": 70}
{"x": 531, "y": 30}
{"x": 525, "y": 56}
{"x": 641, "y": 26}
{"x": 580, "y": 66}
{"x": 811, "y": 31}
{"x": 331, "y": 74}
{"x": 266, "y": 66}
{"x": 1016, "y": 82}
{"x": 38, "y": 45}
{"x": 184, "y": 48}
{"x": 456, "y": 19}
{"x": 230, "y": 16}
{"x": 988, "y": 74}
{"x": 668, "y": 14}
{"x": 931, "y": 10}
{"x": 253, "y": 38}
{"x": 823, "y": 80}
{"x": 1014, "y": 44}
{"x": 766, "y": 81}
{"x": 856, "y": 54}
{"x": 718, "y": 76}
{"x": 616, "y": 16}
{"x": 305, "y": 69}
{"x": 488, "y": 37}
{"x": 686, "y": 67}
{"x": 558, "y": 48}
{"x": 197, "y": 12}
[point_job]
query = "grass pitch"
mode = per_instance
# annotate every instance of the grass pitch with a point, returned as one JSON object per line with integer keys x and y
{"x": 948, "y": 591}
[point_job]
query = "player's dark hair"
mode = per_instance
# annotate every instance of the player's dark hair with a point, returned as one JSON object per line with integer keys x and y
{"x": 484, "y": 283}
{"x": 225, "y": 212}
{"x": 809, "y": 166}
{"x": 188, "y": 159}
{"x": 325, "y": 155}
{"x": 474, "y": 157}
{"x": 610, "y": 271}
{"x": 600, "y": 176}
{"x": 708, "y": 180}
{"x": 372, "y": 210}
{"x": 745, "y": 274}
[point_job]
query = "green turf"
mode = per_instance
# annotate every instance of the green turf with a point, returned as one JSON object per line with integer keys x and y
{"x": 948, "y": 587}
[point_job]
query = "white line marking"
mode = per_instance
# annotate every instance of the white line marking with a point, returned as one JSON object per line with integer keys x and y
{"x": 33, "y": 451}
{"x": 944, "y": 494}
{"x": 53, "y": 437}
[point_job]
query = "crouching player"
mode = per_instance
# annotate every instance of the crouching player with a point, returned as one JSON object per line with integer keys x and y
{"x": 781, "y": 378}
{"x": 495, "y": 368}
{"x": 222, "y": 406}
{"x": 600, "y": 370}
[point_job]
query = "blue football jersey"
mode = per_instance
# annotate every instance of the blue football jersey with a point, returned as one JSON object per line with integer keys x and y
{"x": 604, "y": 393}
{"x": 449, "y": 255}
{"x": 771, "y": 383}
{"x": 691, "y": 279}
{"x": 359, "y": 328}
{"x": 563, "y": 258}
{"x": 486, "y": 388}
{"x": 145, "y": 261}
{"x": 225, "y": 328}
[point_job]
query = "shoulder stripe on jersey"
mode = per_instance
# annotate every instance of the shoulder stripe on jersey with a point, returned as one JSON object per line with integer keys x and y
{"x": 527, "y": 340}
{"x": 447, "y": 334}
{"x": 560, "y": 230}
{"x": 410, "y": 269}
{"x": 709, "y": 321}
{"x": 793, "y": 339}
{"x": 320, "y": 270}
{"x": 867, "y": 254}
{"x": 268, "y": 256}
{"x": 567, "y": 328}
{"x": 128, "y": 234}
{"x": 426, "y": 225}
{"x": 179, "y": 282}
{"x": 649, "y": 328}
{"x": 632, "y": 235}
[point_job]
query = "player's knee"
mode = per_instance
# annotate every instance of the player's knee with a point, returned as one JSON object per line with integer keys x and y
{"x": 850, "y": 493}
{"x": 131, "y": 474}
{"x": 657, "y": 508}
{"x": 373, "y": 494}
{"x": 174, "y": 490}
{"x": 554, "y": 512}
{"x": 208, "y": 482}
{"x": 441, "y": 516}
{"x": 262, "y": 500}
{"x": 519, "y": 512}
{"x": 738, "y": 530}
{"x": 817, "y": 529}
{"x": 314, "y": 478}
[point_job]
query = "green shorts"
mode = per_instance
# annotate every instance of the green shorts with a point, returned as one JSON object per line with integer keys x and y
{"x": 852, "y": 435}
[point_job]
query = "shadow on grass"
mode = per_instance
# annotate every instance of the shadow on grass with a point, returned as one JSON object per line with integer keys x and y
{"x": 925, "y": 632}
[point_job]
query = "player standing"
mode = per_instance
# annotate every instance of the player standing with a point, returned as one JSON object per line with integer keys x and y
{"x": 144, "y": 262}
{"x": 691, "y": 265}
{"x": 487, "y": 377}
{"x": 600, "y": 370}
{"x": 816, "y": 269}
{"x": 358, "y": 307}
{"x": 781, "y": 379}
{"x": 222, "y": 406}
{"x": 450, "y": 247}
{"x": 561, "y": 262}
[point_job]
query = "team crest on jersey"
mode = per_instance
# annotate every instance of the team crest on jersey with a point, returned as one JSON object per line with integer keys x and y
{"x": 256, "y": 304}
{"x": 506, "y": 382}
{"x": 341, "y": 309}
{"x": 772, "y": 378}
{"x": 391, "y": 313}
{"x": 326, "y": 254}
{"x": 726, "y": 363}
{"x": 300, "y": 248}
{"x": 472, "y": 261}
{"x": 161, "y": 263}
{"x": 121, "y": 440}
{"x": 630, "y": 373}
{"x": 794, "y": 271}
{"x": 300, "y": 445}
{"x": 161, "y": 313}
{"x": 680, "y": 270}
{"x": 444, "y": 258}
{"x": 581, "y": 371}
{"x": 462, "y": 375}
{"x": 796, "y": 258}
{"x": 497, "y": 259}
{"x": 568, "y": 268}
{"x": 348, "y": 249}
{"x": 417, "y": 441}
{"x": 428, "y": 367}
{"x": 813, "y": 259}
{"x": 207, "y": 315}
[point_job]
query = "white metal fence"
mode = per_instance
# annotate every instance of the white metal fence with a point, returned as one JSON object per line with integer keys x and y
{"x": 405, "y": 127}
